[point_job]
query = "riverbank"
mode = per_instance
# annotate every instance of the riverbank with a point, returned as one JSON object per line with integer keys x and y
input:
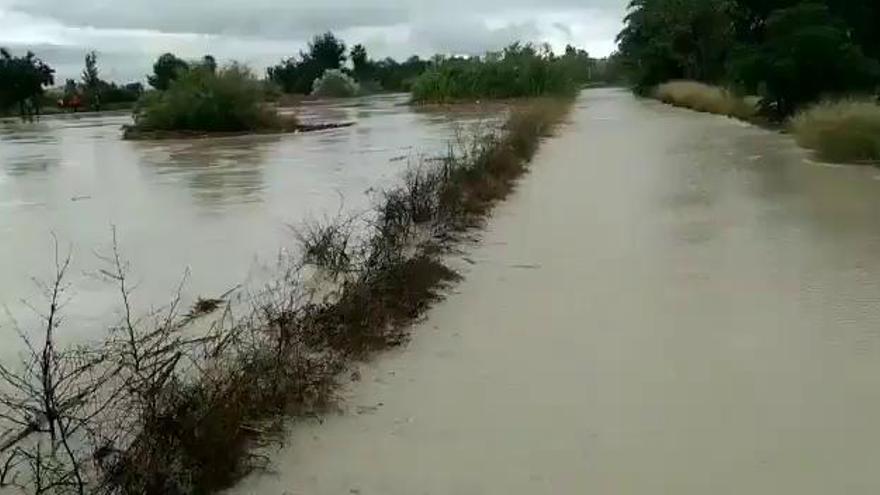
{"x": 133, "y": 133}
{"x": 843, "y": 130}
{"x": 669, "y": 303}
{"x": 191, "y": 407}
{"x": 701, "y": 97}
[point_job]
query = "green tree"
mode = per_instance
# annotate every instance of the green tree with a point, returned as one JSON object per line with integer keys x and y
{"x": 673, "y": 39}
{"x": 91, "y": 81}
{"x": 166, "y": 69}
{"x": 90, "y": 75}
{"x": 22, "y": 82}
{"x": 293, "y": 75}
{"x": 209, "y": 63}
{"x": 579, "y": 64}
{"x": 327, "y": 51}
{"x": 361, "y": 63}
{"x": 807, "y": 53}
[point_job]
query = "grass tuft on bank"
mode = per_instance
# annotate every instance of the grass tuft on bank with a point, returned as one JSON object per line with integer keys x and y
{"x": 840, "y": 131}
{"x": 201, "y": 100}
{"x": 705, "y": 98}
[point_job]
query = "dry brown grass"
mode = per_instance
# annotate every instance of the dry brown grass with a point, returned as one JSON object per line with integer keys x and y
{"x": 840, "y": 131}
{"x": 705, "y": 98}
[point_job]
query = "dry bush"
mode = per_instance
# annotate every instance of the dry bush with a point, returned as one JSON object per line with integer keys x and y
{"x": 705, "y": 98}
{"x": 841, "y": 131}
{"x": 328, "y": 245}
{"x": 50, "y": 406}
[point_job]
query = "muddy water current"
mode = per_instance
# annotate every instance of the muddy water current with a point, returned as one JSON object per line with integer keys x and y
{"x": 671, "y": 303}
{"x": 219, "y": 208}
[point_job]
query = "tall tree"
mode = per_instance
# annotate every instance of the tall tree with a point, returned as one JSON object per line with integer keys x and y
{"x": 807, "y": 53}
{"x": 293, "y": 75}
{"x": 209, "y": 63}
{"x": 669, "y": 39}
{"x": 327, "y": 51}
{"x": 360, "y": 62}
{"x": 22, "y": 80}
{"x": 166, "y": 69}
{"x": 90, "y": 76}
{"x": 91, "y": 81}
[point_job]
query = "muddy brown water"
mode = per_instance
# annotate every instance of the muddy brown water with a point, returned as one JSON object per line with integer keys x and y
{"x": 219, "y": 207}
{"x": 671, "y": 303}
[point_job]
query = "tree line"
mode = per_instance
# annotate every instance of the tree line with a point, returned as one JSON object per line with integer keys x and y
{"x": 24, "y": 80}
{"x": 788, "y": 52}
{"x": 326, "y": 51}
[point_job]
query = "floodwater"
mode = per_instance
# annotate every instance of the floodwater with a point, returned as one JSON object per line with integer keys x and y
{"x": 671, "y": 303}
{"x": 220, "y": 207}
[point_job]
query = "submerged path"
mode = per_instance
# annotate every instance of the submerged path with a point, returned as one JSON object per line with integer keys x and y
{"x": 671, "y": 303}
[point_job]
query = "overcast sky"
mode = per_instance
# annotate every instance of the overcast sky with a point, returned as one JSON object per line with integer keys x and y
{"x": 129, "y": 34}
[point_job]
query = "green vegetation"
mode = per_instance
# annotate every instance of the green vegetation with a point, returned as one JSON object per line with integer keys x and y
{"x": 788, "y": 52}
{"x": 22, "y": 82}
{"x": 844, "y": 131}
{"x": 705, "y": 98}
{"x": 386, "y": 74}
{"x": 95, "y": 94}
{"x": 297, "y": 75}
{"x": 335, "y": 84}
{"x": 518, "y": 71}
{"x": 201, "y": 100}
{"x": 166, "y": 70}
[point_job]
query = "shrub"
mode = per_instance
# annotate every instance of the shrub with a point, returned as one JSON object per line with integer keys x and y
{"x": 520, "y": 71}
{"x": 335, "y": 84}
{"x": 228, "y": 100}
{"x": 845, "y": 131}
{"x": 705, "y": 98}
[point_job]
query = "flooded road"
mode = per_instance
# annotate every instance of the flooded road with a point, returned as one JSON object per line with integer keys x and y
{"x": 219, "y": 207}
{"x": 671, "y": 303}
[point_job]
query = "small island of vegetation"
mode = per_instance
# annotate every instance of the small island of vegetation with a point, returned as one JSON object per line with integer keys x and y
{"x": 204, "y": 99}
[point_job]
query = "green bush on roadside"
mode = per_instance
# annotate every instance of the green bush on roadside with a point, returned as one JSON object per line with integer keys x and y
{"x": 841, "y": 131}
{"x": 519, "y": 71}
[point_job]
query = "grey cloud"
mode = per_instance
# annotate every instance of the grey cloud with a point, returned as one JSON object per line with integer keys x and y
{"x": 471, "y": 36}
{"x": 273, "y": 18}
{"x": 268, "y": 18}
{"x": 563, "y": 28}
{"x": 129, "y": 34}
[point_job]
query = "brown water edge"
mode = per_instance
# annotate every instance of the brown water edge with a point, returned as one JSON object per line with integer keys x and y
{"x": 225, "y": 202}
{"x": 132, "y": 133}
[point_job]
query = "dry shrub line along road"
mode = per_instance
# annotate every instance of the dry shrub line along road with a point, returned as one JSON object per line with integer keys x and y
{"x": 162, "y": 408}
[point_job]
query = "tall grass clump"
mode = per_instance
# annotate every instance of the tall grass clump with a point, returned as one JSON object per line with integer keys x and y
{"x": 518, "y": 71}
{"x": 229, "y": 99}
{"x": 335, "y": 84}
{"x": 705, "y": 98}
{"x": 175, "y": 401}
{"x": 840, "y": 131}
